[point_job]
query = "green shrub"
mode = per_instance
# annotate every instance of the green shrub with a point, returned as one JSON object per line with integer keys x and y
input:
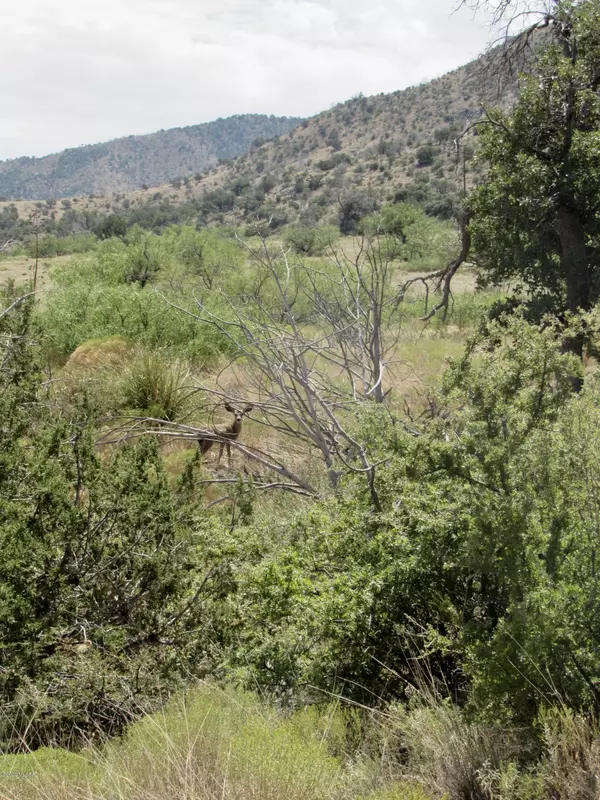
{"x": 481, "y": 558}
{"x": 96, "y": 563}
{"x": 311, "y": 241}
{"x": 77, "y": 313}
{"x": 206, "y": 256}
{"x": 111, "y": 226}
{"x": 49, "y": 245}
{"x": 47, "y": 772}
{"x": 214, "y": 744}
{"x": 426, "y": 155}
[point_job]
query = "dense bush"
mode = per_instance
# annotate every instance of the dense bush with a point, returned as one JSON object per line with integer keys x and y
{"x": 109, "y": 293}
{"x": 50, "y": 245}
{"x": 310, "y": 240}
{"x": 405, "y": 233}
{"x": 77, "y": 313}
{"x": 482, "y": 559}
{"x": 426, "y": 155}
{"x": 110, "y": 226}
{"x": 354, "y": 206}
{"x": 97, "y": 585}
{"x": 205, "y": 256}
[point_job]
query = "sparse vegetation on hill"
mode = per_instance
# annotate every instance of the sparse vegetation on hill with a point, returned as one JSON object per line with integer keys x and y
{"x": 338, "y": 165}
{"x": 333, "y": 169}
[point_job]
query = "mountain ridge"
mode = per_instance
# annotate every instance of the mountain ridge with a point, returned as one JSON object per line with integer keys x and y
{"x": 130, "y": 162}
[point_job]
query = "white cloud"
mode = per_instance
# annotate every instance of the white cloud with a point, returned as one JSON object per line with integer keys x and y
{"x": 79, "y": 71}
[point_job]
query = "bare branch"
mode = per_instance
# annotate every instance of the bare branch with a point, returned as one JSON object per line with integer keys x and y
{"x": 445, "y": 276}
{"x": 15, "y": 303}
{"x": 311, "y": 347}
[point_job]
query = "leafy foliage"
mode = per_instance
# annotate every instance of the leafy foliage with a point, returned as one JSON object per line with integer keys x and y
{"x": 478, "y": 562}
{"x": 536, "y": 215}
{"x": 311, "y": 240}
{"x": 205, "y": 257}
{"x": 96, "y": 587}
{"x": 110, "y": 294}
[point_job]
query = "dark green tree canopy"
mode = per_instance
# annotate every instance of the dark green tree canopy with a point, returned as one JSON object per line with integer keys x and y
{"x": 96, "y": 584}
{"x": 535, "y": 219}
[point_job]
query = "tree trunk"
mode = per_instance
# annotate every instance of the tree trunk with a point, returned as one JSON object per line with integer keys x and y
{"x": 575, "y": 260}
{"x": 577, "y": 269}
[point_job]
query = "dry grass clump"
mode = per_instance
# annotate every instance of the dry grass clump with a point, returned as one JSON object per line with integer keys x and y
{"x": 451, "y": 756}
{"x": 572, "y": 769}
{"x": 97, "y": 353}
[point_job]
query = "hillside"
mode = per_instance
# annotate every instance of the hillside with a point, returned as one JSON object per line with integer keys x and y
{"x": 397, "y": 146}
{"x": 134, "y": 161}
{"x": 331, "y": 168}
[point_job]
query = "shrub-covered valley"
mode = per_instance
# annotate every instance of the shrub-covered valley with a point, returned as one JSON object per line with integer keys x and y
{"x": 303, "y": 502}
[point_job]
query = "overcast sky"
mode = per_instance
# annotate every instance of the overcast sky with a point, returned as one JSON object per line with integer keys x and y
{"x": 81, "y": 71}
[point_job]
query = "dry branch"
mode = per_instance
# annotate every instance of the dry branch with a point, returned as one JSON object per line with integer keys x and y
{"x": 308, "y": 373}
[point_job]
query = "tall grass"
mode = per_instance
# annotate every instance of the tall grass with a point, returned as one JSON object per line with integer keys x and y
{"x": 157, "y": 385}
{"x": 217, "y": 745}
{"x": 453, "y": 756}
{"x": 464, "y": 310}
{"x": 228, "y": 745}
{"x": 450, "y": 755}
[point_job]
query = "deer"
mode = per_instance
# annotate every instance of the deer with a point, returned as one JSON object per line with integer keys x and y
{"x": 224, "y": 434}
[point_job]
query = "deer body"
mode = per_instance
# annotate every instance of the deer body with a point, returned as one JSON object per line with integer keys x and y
{"x": 225, "y": 433}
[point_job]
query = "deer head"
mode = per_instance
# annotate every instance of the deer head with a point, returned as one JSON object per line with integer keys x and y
{"x": 237, "y": 413}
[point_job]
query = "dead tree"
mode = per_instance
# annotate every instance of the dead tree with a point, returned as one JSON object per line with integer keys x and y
{"x": 357, "y": 306}
{"x": 312, "y": 352}
{"x": 287, "y": 371}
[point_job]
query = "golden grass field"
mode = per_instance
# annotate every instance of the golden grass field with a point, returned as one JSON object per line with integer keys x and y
{"x": 21, "y": 269}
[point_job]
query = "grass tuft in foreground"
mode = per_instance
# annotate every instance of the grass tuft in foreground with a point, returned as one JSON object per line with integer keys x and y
{"x": 216, "y": 744}
{"x": 230, "y": 745}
